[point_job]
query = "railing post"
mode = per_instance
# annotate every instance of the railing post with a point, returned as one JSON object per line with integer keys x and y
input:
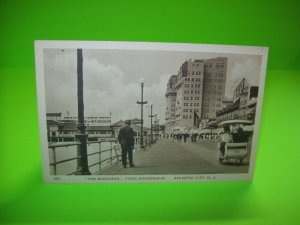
{"x": 100, "y": 156}
{"x": 54, "y": 160}
{"x": 110, "y": 153}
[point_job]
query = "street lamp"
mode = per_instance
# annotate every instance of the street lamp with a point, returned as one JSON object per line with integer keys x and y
{"x": 82, "y": 160}
{"x": 155, "y": 125}
{"x": 151, "y": 116}
{"x": 157, "y": 130}
{"x": 142, "y": 102}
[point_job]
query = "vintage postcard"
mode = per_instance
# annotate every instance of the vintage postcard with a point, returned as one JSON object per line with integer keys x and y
{"x": 129, "y": 112}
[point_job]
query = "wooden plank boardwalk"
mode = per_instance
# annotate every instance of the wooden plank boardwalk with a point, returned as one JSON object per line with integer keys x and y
{"x": 170, "y": 157}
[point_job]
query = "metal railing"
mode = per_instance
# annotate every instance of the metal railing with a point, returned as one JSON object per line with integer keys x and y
{"x": 113, "y": 150}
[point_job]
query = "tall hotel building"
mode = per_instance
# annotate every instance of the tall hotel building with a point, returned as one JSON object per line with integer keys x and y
{"x": 215, "y": 72}
{"x": 171, "y": 104}
{"x": 198, "y": 90}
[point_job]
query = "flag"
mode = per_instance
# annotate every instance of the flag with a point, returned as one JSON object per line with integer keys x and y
{"x": 68, "y": 112}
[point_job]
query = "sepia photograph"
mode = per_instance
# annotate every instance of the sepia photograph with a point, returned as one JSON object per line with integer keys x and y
{"x": 127, "y": 112}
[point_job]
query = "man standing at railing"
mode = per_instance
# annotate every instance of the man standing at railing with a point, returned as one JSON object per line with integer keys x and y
{"x": 126, "y": 140}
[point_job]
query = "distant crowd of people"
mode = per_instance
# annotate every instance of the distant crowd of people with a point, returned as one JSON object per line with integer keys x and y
{"x": 238, "y": 135}
{"x": 192, "y": 137}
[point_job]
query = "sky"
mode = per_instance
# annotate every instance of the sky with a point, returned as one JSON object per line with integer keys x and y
{"x": 112, "y": 79}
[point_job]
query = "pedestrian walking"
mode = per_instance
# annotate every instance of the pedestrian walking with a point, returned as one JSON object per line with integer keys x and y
{"x": 126, "y": 140}
{"x": 185, "y": 137}
{"x": 194, "y": 137}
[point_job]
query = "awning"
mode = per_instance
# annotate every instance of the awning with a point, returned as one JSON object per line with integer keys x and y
{"x": 209, "y": 131}
{"x": 228, "y": 122}
{"x": 248, "y": 128}
{"x": 251, "y": 110}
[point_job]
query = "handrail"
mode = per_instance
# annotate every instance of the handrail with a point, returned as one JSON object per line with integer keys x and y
{"x": 112, "y": 157}
{"x": 65, "y": 160}
{"x": 62, "y": 145}
{"x": 112, "y": 148}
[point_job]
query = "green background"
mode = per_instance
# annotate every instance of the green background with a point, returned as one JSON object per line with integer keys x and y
{"x": 272, "y": 198}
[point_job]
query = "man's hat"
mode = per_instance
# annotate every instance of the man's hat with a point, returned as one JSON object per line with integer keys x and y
{"x": 128, "y": 122}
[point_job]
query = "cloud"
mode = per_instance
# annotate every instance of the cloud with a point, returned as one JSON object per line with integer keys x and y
{"x": 99, "y": 76}
{"x": 60, "y": 80}
{"x": 156, "y": 94}
{"x": 106, "y": 90}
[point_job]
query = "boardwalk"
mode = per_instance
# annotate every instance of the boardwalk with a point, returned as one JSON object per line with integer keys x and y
{"x": 170, "y": 157}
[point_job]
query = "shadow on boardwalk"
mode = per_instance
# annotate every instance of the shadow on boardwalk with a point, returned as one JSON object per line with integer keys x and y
{"x": 170, "y": 157}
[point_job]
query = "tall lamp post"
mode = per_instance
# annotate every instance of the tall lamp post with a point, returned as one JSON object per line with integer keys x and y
{"x": 155, "y": 125}
{"x": 142, "y": 103}
{"x": 157, "y": 129}
{"x": 151, "y": 116}
{"x": 82, "y": 160}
